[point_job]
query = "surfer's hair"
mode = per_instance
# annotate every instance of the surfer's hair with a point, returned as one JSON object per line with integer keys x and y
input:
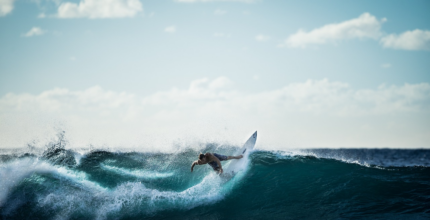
{"x": 201, "y": 156}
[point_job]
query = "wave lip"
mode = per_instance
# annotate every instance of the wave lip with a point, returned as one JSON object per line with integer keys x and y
{"x": 366, "y": 157}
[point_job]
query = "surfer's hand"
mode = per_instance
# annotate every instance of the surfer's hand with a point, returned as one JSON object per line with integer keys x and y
{"x": 220, "y": 171}
{"x": 240, "y": 156}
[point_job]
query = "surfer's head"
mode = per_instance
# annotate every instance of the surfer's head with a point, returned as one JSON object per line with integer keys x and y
{"x": 201, "y": 156}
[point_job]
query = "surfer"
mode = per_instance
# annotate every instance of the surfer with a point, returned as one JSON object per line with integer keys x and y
{"x": 214, "y": 160}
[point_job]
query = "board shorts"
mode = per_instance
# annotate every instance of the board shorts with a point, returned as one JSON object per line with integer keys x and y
{"x": 214, "y": 164}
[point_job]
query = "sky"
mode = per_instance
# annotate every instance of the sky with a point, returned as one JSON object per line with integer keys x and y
{"x": 158, "y": 74}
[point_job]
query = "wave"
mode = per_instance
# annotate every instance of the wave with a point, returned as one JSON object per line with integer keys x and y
{"x": 305, "y": 184}
{"x": 79, "y": 196}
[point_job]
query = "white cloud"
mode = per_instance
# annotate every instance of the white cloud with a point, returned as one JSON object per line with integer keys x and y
{"x": 6, "y": 7}
{"x": 220, "y": 83}
{"x": 35, "y": 31}
{"x": 41, "y": 15}
{"x": 219, "y": 12}
{"x": 262, "y": 38}
{"x": 170, "y": 29}
{"x": 100, "y": 9}
{"x": 317, "y": 112}
{"x": 365, "y": 26}
{"x": 194, "y": 1}
{"x": 220, "y": 34}
{"x": 409, "y": 40}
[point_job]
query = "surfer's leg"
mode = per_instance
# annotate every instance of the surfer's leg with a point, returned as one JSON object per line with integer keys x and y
{"x": 234, "y": 157}
{"x": 220, "y": 157}
{"x": 214, "y": 165}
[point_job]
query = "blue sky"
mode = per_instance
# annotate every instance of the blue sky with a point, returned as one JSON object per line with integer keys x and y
{"x": 330, "y": 73}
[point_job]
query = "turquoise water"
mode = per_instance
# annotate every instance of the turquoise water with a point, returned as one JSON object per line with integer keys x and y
{"x": 304, "y": 184}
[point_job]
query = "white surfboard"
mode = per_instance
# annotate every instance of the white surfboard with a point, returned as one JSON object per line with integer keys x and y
{"x": 237, "y": 165}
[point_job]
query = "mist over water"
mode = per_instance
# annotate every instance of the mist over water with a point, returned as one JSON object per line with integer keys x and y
{"x": 56, "y": 182}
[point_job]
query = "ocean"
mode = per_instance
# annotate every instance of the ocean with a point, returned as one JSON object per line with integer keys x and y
{"x": 59, "y": 183}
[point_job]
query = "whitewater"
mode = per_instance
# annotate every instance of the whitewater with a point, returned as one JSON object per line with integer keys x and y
{"x": 56, "y": 182}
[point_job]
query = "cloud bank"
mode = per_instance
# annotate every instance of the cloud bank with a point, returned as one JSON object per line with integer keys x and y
{"x": 100, "y": 9}
{"x": 315, "y": 113}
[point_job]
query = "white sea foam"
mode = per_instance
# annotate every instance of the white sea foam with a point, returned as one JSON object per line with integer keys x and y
{"x": 11, "y": 174}
{"x": 135, "y": 197}
{"x": 144, "y": 174}
{"x": 284, "y": 154}
{"x": 132, "y": 196}
{"x": 78, "y": 194}
{"x": 78, "y": 156}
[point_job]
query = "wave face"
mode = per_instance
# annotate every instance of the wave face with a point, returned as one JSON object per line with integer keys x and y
{"x": 306, "y": 184}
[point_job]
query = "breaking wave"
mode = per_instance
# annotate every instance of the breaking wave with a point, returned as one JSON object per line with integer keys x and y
{"x": 305, "y": 184}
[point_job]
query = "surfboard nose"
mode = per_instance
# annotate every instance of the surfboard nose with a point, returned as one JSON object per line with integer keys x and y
{"x": 255, "y": 134}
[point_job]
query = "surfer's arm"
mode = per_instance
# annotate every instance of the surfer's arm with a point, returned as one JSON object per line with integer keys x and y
{"x": 194, "y": 163}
